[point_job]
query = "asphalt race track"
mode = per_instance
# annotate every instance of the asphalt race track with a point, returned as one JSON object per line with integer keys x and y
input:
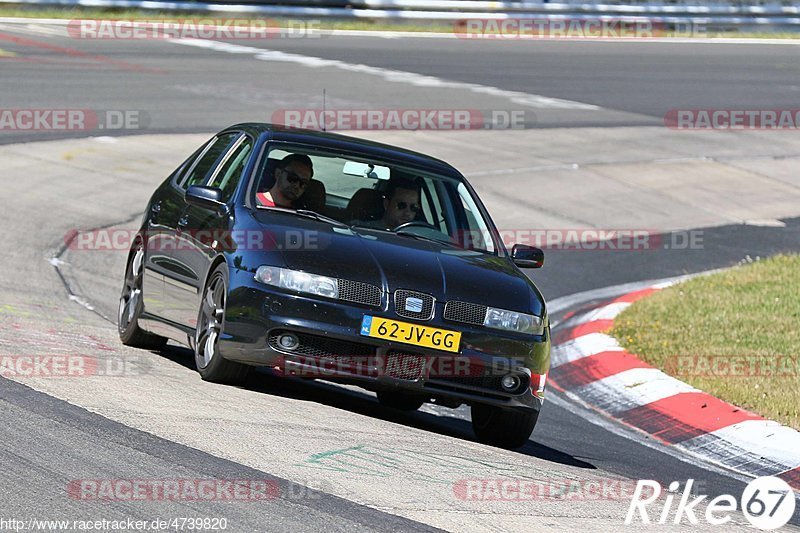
{"x": 594, "y": 154}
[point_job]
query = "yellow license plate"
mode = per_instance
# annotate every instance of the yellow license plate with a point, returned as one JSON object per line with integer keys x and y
{"x": 416, "y": 334}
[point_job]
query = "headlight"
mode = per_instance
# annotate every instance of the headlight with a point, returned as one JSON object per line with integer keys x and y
{"x": 298, "y": 281}
{"x": 513, "y": 321}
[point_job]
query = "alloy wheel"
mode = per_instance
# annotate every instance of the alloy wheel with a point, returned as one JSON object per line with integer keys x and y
{"x": 131, "y": 291}
{"x": 209, "y": 326}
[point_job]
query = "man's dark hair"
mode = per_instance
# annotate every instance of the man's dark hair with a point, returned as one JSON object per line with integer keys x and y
{"x": 302, "y": 159}
{"x": 401, "y": 183}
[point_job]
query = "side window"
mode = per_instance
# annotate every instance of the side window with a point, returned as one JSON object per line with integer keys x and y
{"x": 230, "y": 173}
{"x": 198, "y": 171}
{"x": 478, "y": 231}
{"x": 177, "y": 176}
{"x": 431, "y": 205}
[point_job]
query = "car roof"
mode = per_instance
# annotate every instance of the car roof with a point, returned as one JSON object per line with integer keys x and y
{"x": 336, "y": 142}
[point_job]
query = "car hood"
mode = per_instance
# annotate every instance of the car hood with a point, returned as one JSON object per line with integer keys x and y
{"x": 401, "y": 262}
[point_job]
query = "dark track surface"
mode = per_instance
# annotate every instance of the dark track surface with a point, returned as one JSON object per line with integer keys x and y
{"x": 187, "y": 89}
{"x": 639, "y": 77}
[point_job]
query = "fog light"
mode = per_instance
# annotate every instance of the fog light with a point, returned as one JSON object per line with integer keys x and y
{"x": 510, "y": 382}
{"x": 288, "y": 341}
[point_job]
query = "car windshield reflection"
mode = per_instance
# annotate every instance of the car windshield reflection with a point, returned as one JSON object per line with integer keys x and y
{"x": 372, "y": 195}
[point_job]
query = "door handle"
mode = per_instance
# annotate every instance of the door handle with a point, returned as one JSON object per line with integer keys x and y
{"x": 155, "y": 208}
{"x": 182, "y": 223}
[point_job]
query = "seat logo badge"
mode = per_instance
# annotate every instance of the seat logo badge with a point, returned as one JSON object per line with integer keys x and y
{"x": 413, "y": 305}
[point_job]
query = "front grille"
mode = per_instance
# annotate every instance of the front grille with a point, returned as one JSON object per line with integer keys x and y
{"x": 404, "y": 366}
{"x": 487, "y": 382}
{"x": 466, "y": 312}
{"x": 479, "y": 382}
{"x": 444, "y": 387}
{"x": 413, "y": 308}
{"x": 318, "y": 346}
{"x": 360, "y": 293}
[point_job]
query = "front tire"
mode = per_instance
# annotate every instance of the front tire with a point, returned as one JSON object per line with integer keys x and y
{"x": 210, "y": 325}
{"x": 505, "y": 428}
{"x": 131, "y": 305}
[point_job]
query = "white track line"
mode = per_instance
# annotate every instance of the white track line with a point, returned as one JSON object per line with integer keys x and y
{"x": 606, "y": 312}
{"x": 631, "y": 388}
{"x": 388, "y": 34}
{"x": 396, "y": 76}
{"x": 767, "y": 438}
{"x": 583, "y": 346}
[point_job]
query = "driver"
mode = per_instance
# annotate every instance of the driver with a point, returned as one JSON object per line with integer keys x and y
{"x": 292, "y": 175}
{"x": 401, "y": 203}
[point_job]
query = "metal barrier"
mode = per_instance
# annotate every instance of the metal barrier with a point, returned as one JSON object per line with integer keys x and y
{"x": 714, "y": 14}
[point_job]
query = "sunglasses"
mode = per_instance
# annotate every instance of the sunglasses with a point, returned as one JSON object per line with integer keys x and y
{"x": 293, "y": 177}
{"x": 403, "y": 205}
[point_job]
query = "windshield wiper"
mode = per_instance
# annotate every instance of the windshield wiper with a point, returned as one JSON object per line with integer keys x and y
{"x": 405, "y": 233}
{"x": 307, "y": 213}
{"x": 424, "y": 238}
{"x": 313, "y": 214}
{"x": 361, "y": 226}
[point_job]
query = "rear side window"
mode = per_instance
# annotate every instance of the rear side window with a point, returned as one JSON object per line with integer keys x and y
{"x": 230, "y": 173}
{"x": 207, "y": 161}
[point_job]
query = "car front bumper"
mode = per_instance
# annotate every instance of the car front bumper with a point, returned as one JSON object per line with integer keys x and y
{"x": 332, "y": 348}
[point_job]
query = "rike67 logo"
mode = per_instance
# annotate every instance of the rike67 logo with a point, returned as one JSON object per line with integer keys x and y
{"x": 767, "y": 503}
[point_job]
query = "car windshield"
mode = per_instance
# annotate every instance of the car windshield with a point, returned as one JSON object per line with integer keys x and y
{"x": 373, "y": 195}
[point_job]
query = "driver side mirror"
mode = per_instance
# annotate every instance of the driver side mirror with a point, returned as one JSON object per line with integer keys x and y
{"x": 206, "y": 197}
{"x": 527, "y": 256}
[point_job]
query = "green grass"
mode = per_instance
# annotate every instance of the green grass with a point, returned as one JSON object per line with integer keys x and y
{"x": 712, "y": 331}
{"x": 13, "y": 10}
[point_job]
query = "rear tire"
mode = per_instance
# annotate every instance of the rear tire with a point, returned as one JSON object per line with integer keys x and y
{"x": 131, "y": 305}
{"x": 210, "y": 324}
{"x": 504, "y": 428}
{"x": 400, "y": 401}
